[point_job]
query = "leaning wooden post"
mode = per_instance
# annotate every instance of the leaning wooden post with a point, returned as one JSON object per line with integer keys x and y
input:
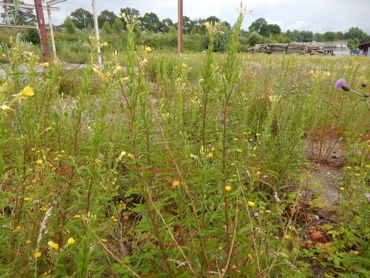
{"x": 42, "y": 29}
{"x": 180, "y": 27}
{"x": 51, "y": 33}
{"x": 97, "y": 35}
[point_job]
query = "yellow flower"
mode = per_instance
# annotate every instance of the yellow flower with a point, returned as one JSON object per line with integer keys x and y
{"x": 77, "y": 216}
{"x": 210, "y": 155}
{"x": 37, "y": 254}
{"x": 27, "y": 198}
{"x": 39, "y": 162}
{"x": 148, "y": 49}
{"x": 45, "y": 65}
{"x": 27, "y": 92}
{"x": 357, "y": 174}
{"x": 114, "y": 219}
{"x": 251, "y": 204}
{"x": 175, "y": 183}
{"x": 228, "y": 188}
{"x": 341, "y": 189}
{"x": 53, "y": 245}
{"x": 70, "y": 241}
{"x": 28, "y": 242}
{"x": 96, "y": 69}
{"x": 104, "y": 44}
{"x": 104, "y": 240}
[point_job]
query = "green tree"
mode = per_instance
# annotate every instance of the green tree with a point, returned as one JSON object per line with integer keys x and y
{"x": 356, "y": 34}
{"x": 212, "y": 19}
{"x": 107, "y": 27}
{"x": 19, "y": 16}
{"x": 82, "y": 18}
{"x": 188, "y": 24}
{"x": 118, "y": 25}
{"x": 69, "y": 25}
{"x": 257, "y": 25}
{"x": 254, "y": 38}
{"x": 274, "y": 29}
{"x": 329, "y": 36}
{"x": 107, "y": 16}
{"x": 151, "y": 22}
{"x": 167, "y": 25}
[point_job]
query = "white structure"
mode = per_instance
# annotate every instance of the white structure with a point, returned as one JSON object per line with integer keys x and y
{"x": 340, "y": 48}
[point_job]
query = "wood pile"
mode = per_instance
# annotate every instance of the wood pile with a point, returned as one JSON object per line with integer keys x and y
{"x": 313, "y": 48}
{"x": 278, "y": 48}
{"x": 296, "y": 48}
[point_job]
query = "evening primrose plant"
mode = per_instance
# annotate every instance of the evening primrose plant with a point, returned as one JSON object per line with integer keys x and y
{"x": 166, "y": 166}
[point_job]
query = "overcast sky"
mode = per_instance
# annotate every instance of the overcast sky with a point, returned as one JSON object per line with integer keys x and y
{"x": 313, "y": 15}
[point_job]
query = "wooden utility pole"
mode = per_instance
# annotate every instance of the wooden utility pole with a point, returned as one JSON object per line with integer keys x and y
{"x": 97, "y": 35}
{"x": 42, "y": 29}
{"x": 180, "y": 27}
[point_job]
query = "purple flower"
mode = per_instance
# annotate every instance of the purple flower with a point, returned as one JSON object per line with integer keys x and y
{"x": 341, "y": 84}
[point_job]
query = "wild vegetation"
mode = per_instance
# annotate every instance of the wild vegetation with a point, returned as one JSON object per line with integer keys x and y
{"x": 205, "y": 165}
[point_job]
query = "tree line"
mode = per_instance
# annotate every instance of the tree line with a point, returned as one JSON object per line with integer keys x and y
{"x": 260, "y": 31}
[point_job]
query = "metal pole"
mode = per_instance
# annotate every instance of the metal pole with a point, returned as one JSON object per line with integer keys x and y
{"x": 7, "y": 22}
{"x": 42, "y": 28}
{"x": 51, "y": 33}
{"x": 97, "y": 36}
{"x": 180, "y": 27}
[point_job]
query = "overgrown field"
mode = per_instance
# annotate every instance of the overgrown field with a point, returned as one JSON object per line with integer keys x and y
{"x": 207, "y": 165}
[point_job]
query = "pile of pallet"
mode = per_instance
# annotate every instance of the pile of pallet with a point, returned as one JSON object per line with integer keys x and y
{"x": 294, "y": 48}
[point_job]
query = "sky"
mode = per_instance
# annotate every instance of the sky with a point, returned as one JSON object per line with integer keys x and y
{"x": 312, "y": 15}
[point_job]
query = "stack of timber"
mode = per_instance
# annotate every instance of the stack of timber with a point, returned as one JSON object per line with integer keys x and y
{"x": 312, "y": 48}
{"x": 296, "y": 48}
{"x": 315, "y": 49}
{"x": 278, "y": 48}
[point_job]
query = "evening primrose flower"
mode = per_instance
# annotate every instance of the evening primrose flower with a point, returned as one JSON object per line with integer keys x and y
{"x": 53, "y": 245}
{"x": 175, "y": 183}
{"x": 228, "y": 188}
{"x": 26, "y": 92}
{"x": 37, "y": 254}
{"x": 341, "y": 84}
{"x": 251, "y": 204}
{"x": 70, "y": 241}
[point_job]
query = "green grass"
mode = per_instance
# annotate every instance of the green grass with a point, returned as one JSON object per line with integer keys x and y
{"x": 160, "y": 166}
